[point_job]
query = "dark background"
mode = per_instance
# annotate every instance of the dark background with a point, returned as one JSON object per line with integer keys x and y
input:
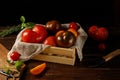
{"x": 86, "y": 12}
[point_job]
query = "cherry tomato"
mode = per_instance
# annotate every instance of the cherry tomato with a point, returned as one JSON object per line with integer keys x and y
{"x": 102, "y": 46}
{"x": 29, "y": 36}
{"x": 15, "y": 56}
{"x": 41, "y": 31}
{"x": 74, "y": 25}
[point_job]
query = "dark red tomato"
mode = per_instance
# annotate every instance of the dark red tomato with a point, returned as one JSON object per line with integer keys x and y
{"x": 15, "y": 56}
{"x": 53, "y": 26}
{"x": 29, "y": 36}
{"x": 41, "y": 31}
{"x": 65, "y": 39}
{"x": 74, "y": 25}
{"x": 102, "y": 46}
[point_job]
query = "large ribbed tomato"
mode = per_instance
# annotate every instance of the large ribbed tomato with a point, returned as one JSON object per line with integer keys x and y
{"x": 35, "y": 35}
{"x": 41, "y": 31}
{"x": 53, "y": 26}
{"x": 29, "y": 36}
{"x": 65, "y": 39}
{"x": 98, "y": 33}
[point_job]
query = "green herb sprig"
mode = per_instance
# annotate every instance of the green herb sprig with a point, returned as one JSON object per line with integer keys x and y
{"x": 17, "y": 28}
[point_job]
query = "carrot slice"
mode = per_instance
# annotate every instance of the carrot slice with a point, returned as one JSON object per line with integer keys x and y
{"x": 38, "y": 69}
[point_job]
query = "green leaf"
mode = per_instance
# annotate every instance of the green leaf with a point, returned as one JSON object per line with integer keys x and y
{"x": 23, "y": 25}
{"x": 30, "y": 24}
{"x": 17, "y": 28}
{"x": 18, "y": 65}
{"x": 22, "y": 19}
{"x": 7, "y": 70}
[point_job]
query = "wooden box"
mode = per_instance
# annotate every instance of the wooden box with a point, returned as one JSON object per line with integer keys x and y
{"x": 64, "y": 55}
{"x": 50, "y": 54}
{"x": 57, "y": 55}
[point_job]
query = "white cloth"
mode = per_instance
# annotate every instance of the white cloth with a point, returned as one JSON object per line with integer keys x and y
{"x": 28, "y": 50}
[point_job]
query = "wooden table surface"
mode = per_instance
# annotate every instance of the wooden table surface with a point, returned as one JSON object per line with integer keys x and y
{"x": 80, "y": 71}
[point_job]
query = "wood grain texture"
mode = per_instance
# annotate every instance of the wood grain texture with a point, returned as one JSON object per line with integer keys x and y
{"x": 4, "y": 64}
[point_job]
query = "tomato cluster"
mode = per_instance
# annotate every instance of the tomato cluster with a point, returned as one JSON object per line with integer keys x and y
{"x": 52, "y": 34}
{"x": 35, "y": 35}
{"x": 99, "y": 34}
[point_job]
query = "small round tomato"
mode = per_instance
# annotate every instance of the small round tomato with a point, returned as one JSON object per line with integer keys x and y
{"x": 74, "y": 25}
{"x": 15, "y": 56}
{"x": 29, "y": 36}
{"x": 102, "y": 46}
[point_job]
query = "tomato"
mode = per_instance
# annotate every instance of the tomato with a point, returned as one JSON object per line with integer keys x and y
{"x": 41, "y": 31}
{"x": 102, "y": 46}
{"x": 101, "y": 34}
{"x": 98, "y": 33}
{"x": 50, "y": 40}
{"x": 65, "y": 39}
{"x": 15, "y": 56}
{"x": 29, "y": 36}
{"x": 35, "y": 35}
{"x": 53, "y": 26}
{"x": 74, "y": 25}
{"x": 92, "y": 30}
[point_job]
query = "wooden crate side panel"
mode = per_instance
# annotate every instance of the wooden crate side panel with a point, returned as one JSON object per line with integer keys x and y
{"x": 55, "y": 59}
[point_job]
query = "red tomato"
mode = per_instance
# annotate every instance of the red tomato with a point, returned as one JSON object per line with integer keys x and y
{"x": 41, "y": 31}
{"x": 98, "y": 33}
{"x": 102, "y": 46}
{"x": 51, "y": 40}
{"x": 92, "y": 30}
{"x": 29, "y": 36}
{"x": 102, "y": 34}
{"x": 74, "y": 25}
{"x": 14, "y": 56}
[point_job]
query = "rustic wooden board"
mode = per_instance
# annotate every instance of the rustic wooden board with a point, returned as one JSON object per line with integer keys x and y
{"x": 4, "y": 64}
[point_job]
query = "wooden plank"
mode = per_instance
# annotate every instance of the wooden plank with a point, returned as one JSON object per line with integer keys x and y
{"x": 68, "y": 52}
{"x": 57, "y": 55}
{"x": 4, "y": 64}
